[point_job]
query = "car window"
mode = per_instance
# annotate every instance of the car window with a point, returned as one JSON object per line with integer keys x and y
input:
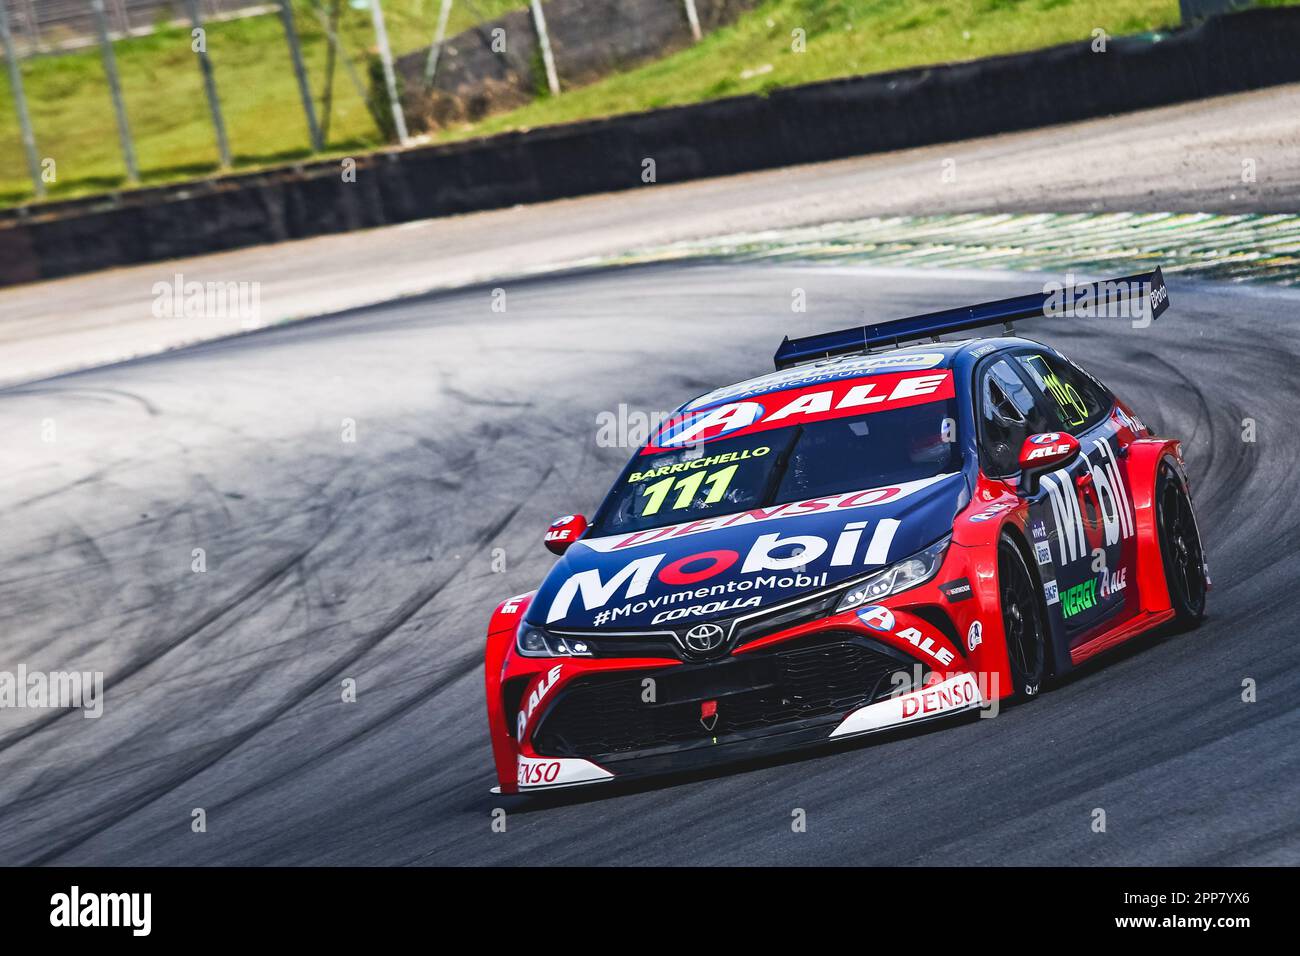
{"x": 1068, "y": 399}
{"x": 1008, "y": 415}
{"x": 800, "y": 462}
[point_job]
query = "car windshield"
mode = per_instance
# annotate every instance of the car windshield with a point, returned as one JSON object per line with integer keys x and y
{"x": 776, "y": 466}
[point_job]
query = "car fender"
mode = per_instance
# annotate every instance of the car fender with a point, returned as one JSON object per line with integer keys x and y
{"x": 994, "y": 509}
{"x": 537, "y": 681}
{"x": 501, "y": 635}
{"x": 1145, "y": 457}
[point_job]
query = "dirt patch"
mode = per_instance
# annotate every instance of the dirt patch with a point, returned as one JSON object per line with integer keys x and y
{"x": 496, "y": 66}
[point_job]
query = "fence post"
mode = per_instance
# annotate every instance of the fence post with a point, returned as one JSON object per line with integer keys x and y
{"x": 209, "y": 84}
{"x": 33, "y": 25}
{"x": 20, "y": 102}
{"x": 340, "y": 54}
{"x": 123, "y": 21}
{"x": 693, "y": 18}
{"x": 115, "y": 91}
{"x": 435, "y": 48}
{"x": 390, "y": 79}
{"x": 331, "y": 58}
{"x": 300, "y": 73}
{"x": 544, "y": 40}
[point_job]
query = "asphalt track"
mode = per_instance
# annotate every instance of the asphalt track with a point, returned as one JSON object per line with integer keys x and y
{"x": 374, "y": 560}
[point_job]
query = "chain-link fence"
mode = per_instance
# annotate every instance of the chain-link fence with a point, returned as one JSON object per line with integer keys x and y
{"x": 40, "y": 26}
{"x": 101, "y": 94}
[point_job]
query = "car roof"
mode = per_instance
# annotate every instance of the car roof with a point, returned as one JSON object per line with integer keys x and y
{"x": 918, "y": 357}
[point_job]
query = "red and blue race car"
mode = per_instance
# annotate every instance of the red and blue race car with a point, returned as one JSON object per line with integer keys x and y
{"x": 877, "y": 534}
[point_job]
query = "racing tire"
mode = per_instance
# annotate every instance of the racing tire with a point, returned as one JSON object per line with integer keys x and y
{"x": 1180, "y": 548}
{"x": 1023, "y": 622}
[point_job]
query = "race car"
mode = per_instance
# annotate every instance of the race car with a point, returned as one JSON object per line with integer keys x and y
{"x": 889, "y": 529}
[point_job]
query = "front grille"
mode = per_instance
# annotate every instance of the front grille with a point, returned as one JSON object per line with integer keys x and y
{"x": 816, "y": 678}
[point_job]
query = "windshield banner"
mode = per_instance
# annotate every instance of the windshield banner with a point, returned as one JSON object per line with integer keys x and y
{"x": 798, "y": 406}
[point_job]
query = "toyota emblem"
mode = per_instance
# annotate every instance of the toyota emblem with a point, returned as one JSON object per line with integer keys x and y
{"x": 703, "y": 638}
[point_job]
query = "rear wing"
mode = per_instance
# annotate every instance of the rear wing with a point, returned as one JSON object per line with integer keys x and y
{"x": 1081, "y": 300}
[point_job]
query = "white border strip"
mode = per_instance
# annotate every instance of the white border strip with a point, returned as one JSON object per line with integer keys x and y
{"x": 951, "y": 696}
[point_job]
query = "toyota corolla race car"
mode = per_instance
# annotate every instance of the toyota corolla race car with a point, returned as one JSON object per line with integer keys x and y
{"x": 876, "y": 535}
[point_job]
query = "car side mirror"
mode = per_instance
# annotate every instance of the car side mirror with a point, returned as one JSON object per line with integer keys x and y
{"x": 563, "y": 532}
{"x": 1041, "y": 453}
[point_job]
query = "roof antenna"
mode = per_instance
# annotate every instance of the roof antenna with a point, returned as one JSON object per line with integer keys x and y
{"x": 1008, "y": 328}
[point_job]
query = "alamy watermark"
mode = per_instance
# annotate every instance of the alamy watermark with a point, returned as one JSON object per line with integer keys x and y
{"x": 57, "y": 690}
{"x": 78, "y": 908}
{"x": 1110, "y": 299}
{"x": 182, "y": 299}
{"x": 627, "y": 427}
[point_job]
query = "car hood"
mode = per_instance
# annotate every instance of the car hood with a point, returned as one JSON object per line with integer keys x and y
{"x": 731, "y": 564}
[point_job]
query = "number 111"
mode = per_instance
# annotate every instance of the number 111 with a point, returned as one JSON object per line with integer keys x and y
{"x": 687, "y": 488}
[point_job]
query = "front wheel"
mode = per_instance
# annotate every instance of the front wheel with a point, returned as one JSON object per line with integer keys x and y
{"x": 1022, "y": 622}
{"x": 1180, "y": 548}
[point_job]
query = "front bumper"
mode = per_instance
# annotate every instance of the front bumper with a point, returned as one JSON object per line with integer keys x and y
{"x": 576, "y": 721}
{"x": 944, "y": 698}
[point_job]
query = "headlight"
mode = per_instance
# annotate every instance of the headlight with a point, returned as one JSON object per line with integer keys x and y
{"x": 533, "y": 641}
{"x": 900, "y": 576}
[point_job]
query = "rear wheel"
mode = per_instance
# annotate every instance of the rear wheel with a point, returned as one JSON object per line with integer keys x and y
{"x": 1022, "y": 621}
{"x": 1180, "y": 548}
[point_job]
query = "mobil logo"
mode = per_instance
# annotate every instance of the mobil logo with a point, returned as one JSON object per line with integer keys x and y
{"x": 1094, "y": 513}
{"x": 743, "y": 566}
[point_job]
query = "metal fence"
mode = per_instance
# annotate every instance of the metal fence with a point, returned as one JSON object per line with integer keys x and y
{"x": 40, "y": 26}
{"x": 334, "y": 73}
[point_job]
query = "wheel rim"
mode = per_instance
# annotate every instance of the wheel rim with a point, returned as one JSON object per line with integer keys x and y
{"x": 1183, "y": 545}
{"x": 1020, "y": 617}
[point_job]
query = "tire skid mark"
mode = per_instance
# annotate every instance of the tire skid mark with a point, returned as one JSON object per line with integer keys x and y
{"x": 327, "y": 676}
{"x": 466, "y": 664}
{"x": 268, "y": 579}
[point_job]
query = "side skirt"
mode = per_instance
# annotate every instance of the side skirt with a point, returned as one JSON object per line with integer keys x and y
{"x": 1131, "y": 628}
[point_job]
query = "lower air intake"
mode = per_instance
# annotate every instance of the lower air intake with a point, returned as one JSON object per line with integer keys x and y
{"x": 605, "y": 716}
